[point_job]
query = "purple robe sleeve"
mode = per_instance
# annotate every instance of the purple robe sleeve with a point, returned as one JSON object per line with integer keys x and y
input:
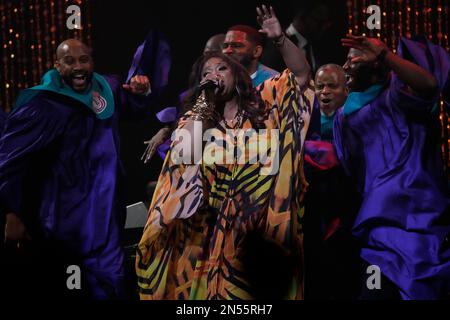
{"x": 168, "y": 115}
{"x": 432, "y": 58}
{"x": 152, "y": 59}
{"x": 28, "y": 129}
{"x": 429, "y": 56}
{"x": 400, "y": 95}
{"x": 338, "y": 141}
{"x": 127, "y": 104}
{"x": 320, "y": 155}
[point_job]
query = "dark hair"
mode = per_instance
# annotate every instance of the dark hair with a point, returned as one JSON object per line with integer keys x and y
{"x": 303, "y": 8}
{"x": 252, "y": 34}
{"x": 249, "y": 100}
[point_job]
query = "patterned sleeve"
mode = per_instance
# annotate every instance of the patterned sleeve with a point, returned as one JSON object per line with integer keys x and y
{"x": 286, "y": 100}
{"x": 178, "y": 194}
{"x": 290, "y": 112}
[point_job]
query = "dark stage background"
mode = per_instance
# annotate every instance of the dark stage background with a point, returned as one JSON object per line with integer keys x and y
{"x": 119, "y": 27}
{"x": 31, "y": 30}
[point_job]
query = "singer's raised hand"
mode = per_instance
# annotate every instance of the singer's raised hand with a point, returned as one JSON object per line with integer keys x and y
{"x": 293, "y": 56}
{"x": 269, "y": 23}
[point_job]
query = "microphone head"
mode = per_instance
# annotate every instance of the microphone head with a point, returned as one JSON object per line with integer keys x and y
{"x": 209, "y": 84}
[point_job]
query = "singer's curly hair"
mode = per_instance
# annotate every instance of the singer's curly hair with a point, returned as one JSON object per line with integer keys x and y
{"x": 248, "y": 98}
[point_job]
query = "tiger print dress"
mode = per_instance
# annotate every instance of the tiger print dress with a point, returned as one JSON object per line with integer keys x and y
{"x": 193, "y": 243}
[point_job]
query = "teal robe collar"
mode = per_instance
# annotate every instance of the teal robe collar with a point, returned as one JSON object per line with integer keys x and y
{"x": 357, "y": 100}
{"x": 98, "y": 98}
{"x": 326, "y": 125}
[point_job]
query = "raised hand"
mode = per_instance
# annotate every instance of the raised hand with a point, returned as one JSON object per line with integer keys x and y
{"x": 153, "y": 144}
{"x": 269, "y": 23}
{"x": 139, "y": 85}
{"x": 369, "y": 47}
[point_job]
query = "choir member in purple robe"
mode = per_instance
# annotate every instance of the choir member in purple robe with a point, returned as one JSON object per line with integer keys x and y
{"x": 60, "y": 170}
{"x": 384, "y": 138}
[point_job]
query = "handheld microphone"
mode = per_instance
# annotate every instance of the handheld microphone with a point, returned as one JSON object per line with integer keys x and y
{"x": 209, "y": 84}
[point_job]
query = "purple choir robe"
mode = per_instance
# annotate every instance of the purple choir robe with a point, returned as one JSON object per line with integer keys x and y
{"x": 77, "y": 179}
{"x": 59, "y": 146}
{"x": 390, "y": 147}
